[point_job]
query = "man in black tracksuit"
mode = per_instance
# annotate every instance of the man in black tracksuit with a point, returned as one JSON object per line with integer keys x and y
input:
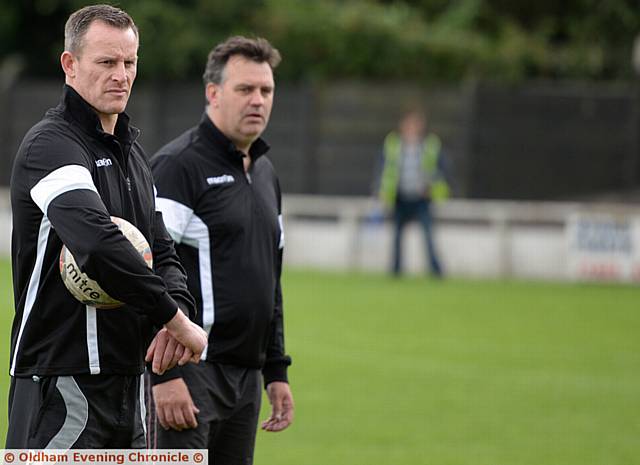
{"x": 76, "y": 370}
{"x": 220, "y": 198}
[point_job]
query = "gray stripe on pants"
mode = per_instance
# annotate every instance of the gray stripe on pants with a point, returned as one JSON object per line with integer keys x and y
{"x": 77, "y": 414}
{"x": 143, "y": 406}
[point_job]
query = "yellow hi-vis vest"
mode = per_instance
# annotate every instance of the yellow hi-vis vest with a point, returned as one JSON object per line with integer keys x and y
{"x": 439, "y": 189}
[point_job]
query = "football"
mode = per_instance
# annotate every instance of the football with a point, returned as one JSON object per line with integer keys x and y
{"x": 85, "y": 289}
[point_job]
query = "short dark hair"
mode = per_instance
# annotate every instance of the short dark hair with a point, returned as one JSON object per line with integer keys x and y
{"x": 79, "y": 22}
{"x": 258, "y": 50}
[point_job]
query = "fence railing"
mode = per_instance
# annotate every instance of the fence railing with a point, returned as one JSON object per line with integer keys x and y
{"x": 480, "y": 238}
{"x": 520, "y": 238}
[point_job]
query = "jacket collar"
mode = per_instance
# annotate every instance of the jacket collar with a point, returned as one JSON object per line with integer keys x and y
{"x": 77, "y": 110}
{"x": 215, "y": 136}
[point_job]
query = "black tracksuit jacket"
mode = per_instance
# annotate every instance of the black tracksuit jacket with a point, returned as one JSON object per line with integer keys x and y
{"x": 228, "y": 233}
{"x": 68, "y": 178}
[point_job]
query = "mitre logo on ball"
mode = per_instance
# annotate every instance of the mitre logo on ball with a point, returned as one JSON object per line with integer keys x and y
{"x": 85, "y": 289}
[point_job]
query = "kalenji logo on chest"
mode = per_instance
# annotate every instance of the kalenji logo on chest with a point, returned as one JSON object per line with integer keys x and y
{"x": 224, "y": 179}
{"x": 104, "y": 162}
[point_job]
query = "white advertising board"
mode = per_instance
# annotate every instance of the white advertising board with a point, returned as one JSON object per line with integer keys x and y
{"x": 603, "y": 247}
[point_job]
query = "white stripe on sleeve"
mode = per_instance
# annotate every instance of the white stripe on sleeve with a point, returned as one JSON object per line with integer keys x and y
{"x": 176, "y": 217}
{"x": 197, "y": 235}
{"x": 281, "y": 223}
{"x": 59, "y": 181}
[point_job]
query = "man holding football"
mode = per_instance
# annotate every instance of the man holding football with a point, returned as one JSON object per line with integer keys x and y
{"x": 76, "y": 369}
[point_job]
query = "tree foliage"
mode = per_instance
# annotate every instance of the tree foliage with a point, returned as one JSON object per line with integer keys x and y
{"x": 333, "y": 39}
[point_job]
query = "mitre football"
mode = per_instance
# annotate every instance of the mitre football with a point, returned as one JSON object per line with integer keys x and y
{"x": 85, "y": 289}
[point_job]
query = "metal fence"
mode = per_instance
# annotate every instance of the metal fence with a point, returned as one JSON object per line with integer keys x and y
{"x": 533, "y": 141}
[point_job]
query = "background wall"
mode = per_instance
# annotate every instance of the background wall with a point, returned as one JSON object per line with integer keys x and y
{"x": 538, "y": 140}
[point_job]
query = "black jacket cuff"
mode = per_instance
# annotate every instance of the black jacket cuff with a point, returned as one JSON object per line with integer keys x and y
{"x": 186, "y": 306}
{"x": 166, "y": 309}
{"x": 175, "y": 372}
{"x": 275, "y": 372}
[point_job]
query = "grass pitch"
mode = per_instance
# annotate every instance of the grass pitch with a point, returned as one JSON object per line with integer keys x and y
{"x": 413, "y": 371}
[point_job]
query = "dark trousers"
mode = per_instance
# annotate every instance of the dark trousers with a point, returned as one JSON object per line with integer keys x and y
{"x": 76, "y": 412}
{"x": 228, "y": 398}
{"x": 407, "y": 210}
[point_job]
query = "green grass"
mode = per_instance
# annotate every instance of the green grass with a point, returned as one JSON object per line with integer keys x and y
{"x": 413, "y": 371}
{"x": 459, "y": 372}
{"x": 6, "y": 317}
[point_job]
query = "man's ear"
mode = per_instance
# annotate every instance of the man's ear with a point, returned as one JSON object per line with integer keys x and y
{"x": 68, "y": 62}
{"x": 212, "y": 94}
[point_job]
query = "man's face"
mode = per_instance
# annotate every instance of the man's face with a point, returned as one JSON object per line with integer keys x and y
{"x": 412, "y": 126}
{"x": 241, "y": 105}
{"x": 104, "y": 68}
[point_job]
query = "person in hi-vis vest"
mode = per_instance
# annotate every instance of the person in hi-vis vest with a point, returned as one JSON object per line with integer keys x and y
{"x": 413, "y": 176}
